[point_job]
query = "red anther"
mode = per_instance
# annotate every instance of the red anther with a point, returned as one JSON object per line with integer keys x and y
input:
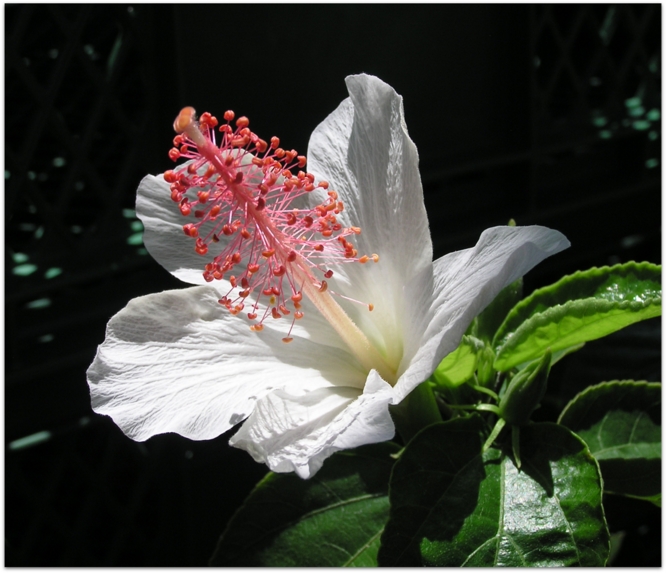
{"x": 333, "y": 195}
{"x": 170, "y": 176}
{"x": 323, "y": 184}
{"x": 233, "y": 311}
{"x": 245, "y": 233}
{"x": 267, "y": 291}
{"x": 218, "y": 275}
{"x": 302, "y": 160}
{"x": 308, "y": 221}
{"x": 178, "y": 140}
{"x": 371, "y": 307}
{"x": 191, "y": 168}
{"x": 199, "y": 214}
{"x": 319, "y": 248}
{"x": 271, "y": 178}
{"x": 279, "y": 271}
{"x": 244, "y": 293}
{"x": 251, "y": 315}
{"x": 328, "y": 274}
{"x": 309, "y": 187}
{"x": 279, "y": 152}
{"x": 236, "y": 257}
{"x": 229, "y": 115}
{"x": 245, "y": 283}
{"x": 291, "y": 257}
{"x": 375, "y": 258}
{"x": 258, "y": 162}
{"x": 232, "y": 280}
{"x": 203, "y": 196}
{"x": 257, "y": 327}
{"x": 261, "y": 145}
{"x": 341, "y": 208}
{"x": 174, "y": 154}
{"x": 210, "y": 171}
{"x": 240, "y": 141}
{"x": 242, "y": 122}
{"x": 275, "y": 290}
{"x": 185, "y": 210}
{"x": 284, "y": 310}
{"x": 301, "y": 175}
{"x": 201, "y": 247}
{"x": 275, "y": 142}
{"x": 298, "y": 315}
{"x": 183, "y": 149}
{"x": 184, "y": 119}
{"x": 227, "y": 230}
{"x": 291, "y": 219}
{"x": 323, "y": 287}
{"x": 288, "y": 185}
{"x": 239, "y": 307}
{"x": 297, "y": 297}
{"x": 268, "y": 253}
{"x": 356, "y": 230}
{"x": 252, "y": 268}
{"x": 287, "y": 339}
{"x": 261, "y": 203}
{"x": 214, "y": 211}
{"x": 275, "y": 313}
{"x": 291, "y": 155}
{"x": 327, "y": 232}
{"x": 263, "y": 189}
{"x": 239, "y": 178}
{"x": 286, "y": 173}
{"x": 336, "y": 227}
{"x": 216, "y": 239}
{"x": 297, "y": 305}
{"x": 207, "y": 277}
{"x": 321, "y": 210}
{"x": 228, "y": 160}
{"x": 190, "y": 230}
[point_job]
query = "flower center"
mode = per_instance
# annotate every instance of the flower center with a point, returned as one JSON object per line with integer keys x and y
{"x": 242, "y": 200}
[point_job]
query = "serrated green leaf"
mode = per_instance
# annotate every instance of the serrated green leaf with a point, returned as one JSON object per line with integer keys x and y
{"x": 459, "y": 366}
{"x": 621, "y": 423}
{"x": 334, "y": 519}
{"x": 578, "y": 308}
{"x": 452, "y": 506}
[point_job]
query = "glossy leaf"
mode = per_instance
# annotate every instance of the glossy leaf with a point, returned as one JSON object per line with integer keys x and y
{"x": 621, "y": 423}
{"x": 578, "y": 308}
{"x": 452, "y": 506}
{"x": 459, "y": 366}
{"x": 334, "y": 519}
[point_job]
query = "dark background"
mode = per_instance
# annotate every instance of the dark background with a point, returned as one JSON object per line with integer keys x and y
{"x": 547, "y": 114}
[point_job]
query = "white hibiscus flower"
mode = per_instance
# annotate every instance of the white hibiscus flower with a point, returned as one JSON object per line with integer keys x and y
{"x": 179, "y": 361}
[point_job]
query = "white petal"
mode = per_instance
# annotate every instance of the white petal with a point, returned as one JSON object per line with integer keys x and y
{"x": 163, "y": 233}
{"x": 465, "y": 283}
{"x": 297, "y": 432}
{"x": 364, "y": 151}
{"x": 179, "y": 362}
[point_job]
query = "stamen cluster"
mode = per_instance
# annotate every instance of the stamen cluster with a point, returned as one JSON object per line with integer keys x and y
{"x": 239, "y": 194}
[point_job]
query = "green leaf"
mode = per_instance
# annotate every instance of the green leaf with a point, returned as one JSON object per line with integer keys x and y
{"x": 621, "y": 423}
{"x": 459, "y": 366}
{"x": 331, "y": 520}
{"x": 580, "y": 307}
{"x": 452, "y": 506}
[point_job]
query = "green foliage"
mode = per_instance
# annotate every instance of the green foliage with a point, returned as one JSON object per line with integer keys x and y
{"x": 334, "y": 519}
{"x": 578, "y": 308}
{"x": 525, "y": 391}
{"x": 452, "y": 506}
{"x": 621, "y": 423}
{"x": 460, "y": 365}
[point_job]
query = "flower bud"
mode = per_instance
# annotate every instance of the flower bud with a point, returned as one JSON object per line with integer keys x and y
{"x": 525, "y": 392}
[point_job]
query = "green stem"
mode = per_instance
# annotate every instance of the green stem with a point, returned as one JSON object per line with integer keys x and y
{"x": 418, "y": 410}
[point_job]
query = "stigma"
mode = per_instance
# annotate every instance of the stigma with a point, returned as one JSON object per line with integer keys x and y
{"x": 242, "y": 200}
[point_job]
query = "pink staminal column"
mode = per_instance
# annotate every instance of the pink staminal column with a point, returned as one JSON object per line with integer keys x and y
{"x": 243, "y": 189}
